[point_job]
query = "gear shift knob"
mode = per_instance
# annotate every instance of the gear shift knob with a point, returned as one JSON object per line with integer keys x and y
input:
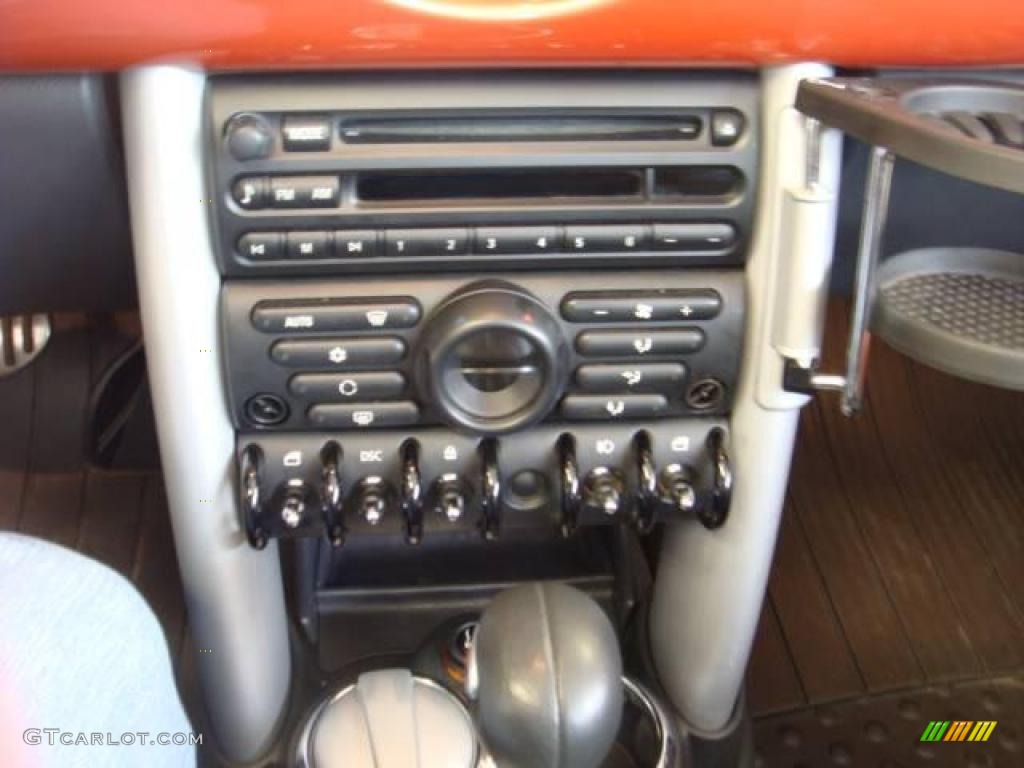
{"x": 546, "y": 671}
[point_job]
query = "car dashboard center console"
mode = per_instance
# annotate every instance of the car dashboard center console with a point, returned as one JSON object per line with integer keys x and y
{"x": 481, "y": 305}
{"x": 442, "y": 333}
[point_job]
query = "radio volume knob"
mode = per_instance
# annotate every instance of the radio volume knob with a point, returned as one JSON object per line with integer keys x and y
{"x": 249, "y": 137}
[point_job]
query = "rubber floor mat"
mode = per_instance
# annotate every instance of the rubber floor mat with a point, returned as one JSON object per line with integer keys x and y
{"x": 972, "y": 724}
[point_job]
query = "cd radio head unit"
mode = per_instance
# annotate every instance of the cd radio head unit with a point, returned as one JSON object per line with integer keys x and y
{"x": 366, "y": 174}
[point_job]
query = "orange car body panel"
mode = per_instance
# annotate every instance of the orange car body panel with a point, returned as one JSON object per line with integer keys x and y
{"x": 333, "y": 34}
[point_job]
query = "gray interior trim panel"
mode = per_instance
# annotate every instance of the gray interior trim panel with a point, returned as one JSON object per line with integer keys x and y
{"x": 234, "y": 593}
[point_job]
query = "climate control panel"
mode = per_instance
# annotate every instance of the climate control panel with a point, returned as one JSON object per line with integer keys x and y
{"x": 483, "y": 355}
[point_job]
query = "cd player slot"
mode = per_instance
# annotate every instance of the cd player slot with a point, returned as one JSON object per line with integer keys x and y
{"x": 493, "y": 128}
{"x": 546, "y": 185}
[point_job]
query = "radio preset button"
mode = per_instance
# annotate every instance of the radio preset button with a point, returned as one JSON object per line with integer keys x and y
{"x": 304, "y": 192}
{"x": 527, "y": 240}
{"x": 426, "y": 242}
{"x": 340, "y": 353}
{"x": 640, "y": 307}
{"x": 352, "y": 244}
{"x": 617, "y": 238}
{"x": 639, "y": 343}
{"x": 308, "y": 133}
{"x": 261, "y": 246}
{"x": 364, "y": 415}
{"x": 376, "y": 385}
{"x": 612, "y": 407}
{"x": 335, "y": 315}
{"x": 626, "y": 377}
{"x": 309, "y": 245}
{"x": 693, "y": 237}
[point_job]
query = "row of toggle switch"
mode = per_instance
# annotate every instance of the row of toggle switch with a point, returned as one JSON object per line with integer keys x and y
{"x": 641, "y": 494}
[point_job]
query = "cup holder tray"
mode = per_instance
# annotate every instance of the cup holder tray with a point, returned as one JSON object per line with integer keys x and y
{"x": 957, "y": 309}
{"x": 973, "y": 129}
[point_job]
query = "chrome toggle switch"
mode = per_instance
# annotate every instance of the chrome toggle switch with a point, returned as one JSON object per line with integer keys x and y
{"x": 604, "y": 489}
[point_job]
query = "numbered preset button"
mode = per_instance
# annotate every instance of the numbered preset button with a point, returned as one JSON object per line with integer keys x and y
{"x": 525, "y": 240}
{"x": 426, "y": 242}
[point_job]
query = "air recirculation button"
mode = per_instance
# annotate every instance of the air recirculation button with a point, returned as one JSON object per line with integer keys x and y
{"x": 493, "y": 358}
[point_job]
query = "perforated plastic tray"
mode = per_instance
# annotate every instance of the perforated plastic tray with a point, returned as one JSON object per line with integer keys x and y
{"x": 960, "y": 310}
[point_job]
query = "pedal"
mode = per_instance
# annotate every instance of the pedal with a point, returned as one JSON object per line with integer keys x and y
{"x": 22, "y": 338}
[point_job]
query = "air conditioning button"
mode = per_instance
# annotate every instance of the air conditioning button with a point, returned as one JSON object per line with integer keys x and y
{"x": 339, "y": 353}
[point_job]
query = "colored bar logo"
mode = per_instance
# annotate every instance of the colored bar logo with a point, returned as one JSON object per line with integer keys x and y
{"x": 959, "y": 730}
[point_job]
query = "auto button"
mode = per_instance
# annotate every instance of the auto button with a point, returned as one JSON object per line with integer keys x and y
{"x": 335, "y": 315}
